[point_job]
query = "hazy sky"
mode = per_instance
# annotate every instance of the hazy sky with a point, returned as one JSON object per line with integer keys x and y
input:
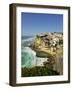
{"x": 33, "y": 23}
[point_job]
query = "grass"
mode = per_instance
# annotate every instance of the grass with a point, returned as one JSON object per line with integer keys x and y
{"x": 38, "y": 71}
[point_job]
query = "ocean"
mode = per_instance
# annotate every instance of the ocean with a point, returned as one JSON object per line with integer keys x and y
{"x": 28, "y": 56}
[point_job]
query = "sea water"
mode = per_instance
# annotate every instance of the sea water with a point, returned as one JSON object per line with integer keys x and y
{"x": 28, "y": 56}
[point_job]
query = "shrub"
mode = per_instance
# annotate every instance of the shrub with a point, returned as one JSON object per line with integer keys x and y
{"x": 38, "y": 71}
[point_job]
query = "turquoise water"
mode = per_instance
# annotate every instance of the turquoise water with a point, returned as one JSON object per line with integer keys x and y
{"x": 28, "y": 57}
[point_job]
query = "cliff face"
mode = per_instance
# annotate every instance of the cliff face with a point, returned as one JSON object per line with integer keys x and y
{"x": 58, "y": 66}
{"x": 48, "y": 40}
{"x": 49, "y": 45}
{"x": 46, "y": 50}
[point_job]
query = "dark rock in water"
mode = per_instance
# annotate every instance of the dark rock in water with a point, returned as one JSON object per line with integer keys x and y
{"x": 42, "y": 54}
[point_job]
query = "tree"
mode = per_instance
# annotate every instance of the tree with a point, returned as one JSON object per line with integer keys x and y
{"x": 60, "y": 42}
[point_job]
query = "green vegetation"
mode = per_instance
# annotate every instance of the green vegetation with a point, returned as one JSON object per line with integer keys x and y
{"x": 60, "y": 42}
{"x": 38, "y": 71}
{"x": 46, "y": 70}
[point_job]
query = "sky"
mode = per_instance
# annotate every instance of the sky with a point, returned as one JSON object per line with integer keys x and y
{"x": 34, "y": 23}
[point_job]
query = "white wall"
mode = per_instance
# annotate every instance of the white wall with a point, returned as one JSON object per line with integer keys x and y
{"x": 4, "y": 45}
